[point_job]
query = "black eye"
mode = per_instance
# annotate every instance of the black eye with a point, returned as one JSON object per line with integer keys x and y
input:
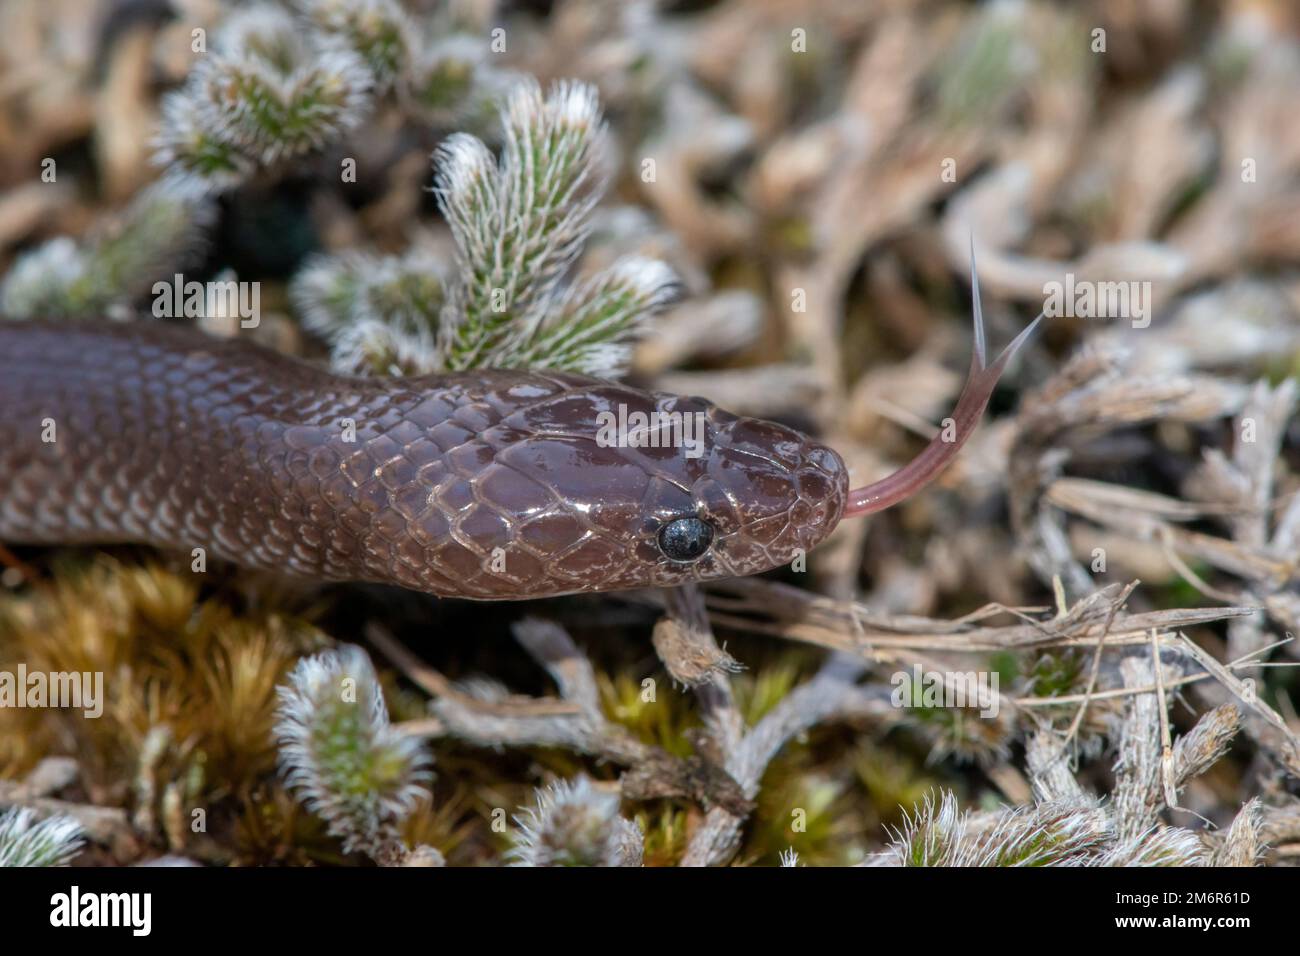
{"x": 685, "y": 539}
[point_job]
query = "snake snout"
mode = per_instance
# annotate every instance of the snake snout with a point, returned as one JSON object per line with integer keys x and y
{"x": 774, "y": 493}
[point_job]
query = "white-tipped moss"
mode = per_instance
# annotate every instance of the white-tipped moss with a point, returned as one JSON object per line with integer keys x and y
{"x": 572, "y": 823}
{"x": 379, "y": 30}
{"x": 449, "y": 82}
{"x": 193, "y": 153}
{"x": 468, "y": 190}
{"x": 1050, "y": 834}
{"x": 270, "y": 89}
{"x": 1243, "y": 844}
{"x": 154, "y": 235}
{"x": 938, "y": 833}
{"x": 932, "y": 834}
{"x": 379, "y": 313}
{"x": 593, "y": 329}
{"x": 341, "y": 755}
{"x": 518, "y": 226}
{"x": 1069, "y": 827}
{"x": 269, "y": 115}
{"x": 1058, "y": 833}
{"x": 280, "y": 83}
{"x": 1158, "y": 846}
{"x": 377, "y": 347}
{"x": 38, "y": 282}
{"x": 407, "y": 291}
{"x": 264, "y": 32}
{"x": 26, "y": 841}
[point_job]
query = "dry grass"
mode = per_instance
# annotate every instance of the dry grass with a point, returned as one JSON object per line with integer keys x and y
{"x": 1118, "y": 542}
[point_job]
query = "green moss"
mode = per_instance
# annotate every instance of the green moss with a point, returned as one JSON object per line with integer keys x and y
{"x": 656, "y": 714}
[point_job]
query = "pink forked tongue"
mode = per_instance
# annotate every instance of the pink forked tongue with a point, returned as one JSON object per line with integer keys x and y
{"x": 943, "y": 448}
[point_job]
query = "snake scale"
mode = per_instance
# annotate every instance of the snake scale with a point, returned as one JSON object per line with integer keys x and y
{"x": 487, "y": 485}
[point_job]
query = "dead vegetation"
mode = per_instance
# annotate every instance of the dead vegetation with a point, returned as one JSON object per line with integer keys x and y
{"x": 1118, "y": 543}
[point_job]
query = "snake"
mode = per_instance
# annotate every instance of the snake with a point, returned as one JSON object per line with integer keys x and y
{"x": 488, "y": 485}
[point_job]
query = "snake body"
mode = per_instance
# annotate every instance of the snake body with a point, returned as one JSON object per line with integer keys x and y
{"x": 490, "y": 484}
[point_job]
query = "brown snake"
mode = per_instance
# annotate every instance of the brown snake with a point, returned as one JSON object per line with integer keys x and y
{"x": 489, "y": 485}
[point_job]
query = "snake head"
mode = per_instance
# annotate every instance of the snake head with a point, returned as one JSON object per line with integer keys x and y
{"x": 548, "y": 483}
{"x": 729, "y": 496}
{"x": 609, "y": 487}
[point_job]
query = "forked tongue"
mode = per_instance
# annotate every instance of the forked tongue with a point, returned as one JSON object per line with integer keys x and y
{"x": 943, "y": 448}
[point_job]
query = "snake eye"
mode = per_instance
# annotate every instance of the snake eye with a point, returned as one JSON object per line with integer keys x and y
{"x": 685, "y": 539}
